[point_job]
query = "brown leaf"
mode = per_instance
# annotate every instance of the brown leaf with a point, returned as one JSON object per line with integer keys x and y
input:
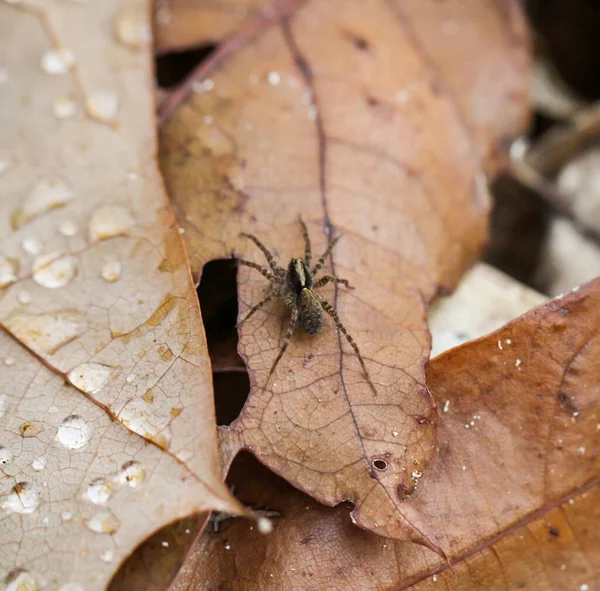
{"x": 514, "y": 496}
{"x": 480, "y": 50}
{"x": 97, "y": 296}
{"x": 310, "y": 116}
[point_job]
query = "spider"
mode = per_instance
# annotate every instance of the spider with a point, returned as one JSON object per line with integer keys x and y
{"x": 297, "y": 287}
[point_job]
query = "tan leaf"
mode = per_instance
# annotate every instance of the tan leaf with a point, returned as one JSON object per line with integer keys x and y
{"x": 513, "y": 490}
{"x": 97, "y": 288}
{"x": 305, "y": 118}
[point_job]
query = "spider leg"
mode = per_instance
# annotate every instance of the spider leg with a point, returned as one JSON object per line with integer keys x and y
{"x": 260, "y": 304}
{"x": 307, "y": 250}
{"x": 264, "y": 272}
{"x": 321, "y": 261}
{"x": 331, "y": 311}
{"x": 286, "y": 341}
{"x": 327, "y": 278}
{"x": 264, "y": 250}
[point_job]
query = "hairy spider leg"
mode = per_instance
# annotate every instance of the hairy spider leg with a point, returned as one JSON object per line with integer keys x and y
{"x": 307, "y": 249}
{"x": 331, "y": 311}
{"x": 286, "y": 340}
{"x": 321, "y": 262}
{"x": 264, "y": 250}
{"x": 327, "y": 278}
{"x": 264, "y": 272}
{"x": 260, "y": 304}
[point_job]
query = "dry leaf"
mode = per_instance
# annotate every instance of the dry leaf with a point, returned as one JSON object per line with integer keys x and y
{"x": 318, "y": 115}
{"x": 513, "y": 490}
{"x": 480, "y": 50}
{"x": 97, "y": 294}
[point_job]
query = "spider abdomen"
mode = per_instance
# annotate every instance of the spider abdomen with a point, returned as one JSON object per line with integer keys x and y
{"x": 310, "y": 312}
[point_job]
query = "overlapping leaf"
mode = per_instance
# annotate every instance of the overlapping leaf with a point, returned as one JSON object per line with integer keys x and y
{"x": 96, "y": 294}
{"x": 513, "y": 488}
{"x": 333, "y": 112}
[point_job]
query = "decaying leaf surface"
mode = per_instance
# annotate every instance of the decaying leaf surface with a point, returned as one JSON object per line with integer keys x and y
{"x": 513, "y": 488}
{"x": 96, "y": 293}
{"x": 309, "y": 117}
{"x": 478, "y": 48}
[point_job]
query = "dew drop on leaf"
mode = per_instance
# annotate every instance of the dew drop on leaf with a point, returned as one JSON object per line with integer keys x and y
{"x": 99, "y": 491}
{"x": 24, "y": 297}
{"x": 74, "y": 432}
{"x": 47, "y": 333}
{"x": 38, "y": 464}
{"x": 109, "y": 221}
{"x": 131, "y": 29}
{"x": 23, "y": 498}
{"x": 6, "y": 455}
{"x": 107, "y": 555}
{"x": 132, "y": 474}
{"x": 8, "y": 272}
{"x": 89, "y": 377}
{"x": 57, "y": 61}
{"x": 47, "y": 194}
{"x": 103, "y": 523}
{"x": 21, "y": 580}
{"x": 31, "y": 245}
{"x": 54, "y": 270}
{"x": 68, "y": 228}
{"x": 111, "y": 271}
{"x": 103, "y": 106}
{"x": 64, "y": 107}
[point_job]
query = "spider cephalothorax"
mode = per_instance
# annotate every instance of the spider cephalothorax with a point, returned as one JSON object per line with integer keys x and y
{"x": 296, "y": 286}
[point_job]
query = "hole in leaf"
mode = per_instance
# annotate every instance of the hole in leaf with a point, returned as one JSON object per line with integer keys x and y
{"x": 217, "y": 293}
{"x": 173, "y": 68}
{"x": 379, "y": 464}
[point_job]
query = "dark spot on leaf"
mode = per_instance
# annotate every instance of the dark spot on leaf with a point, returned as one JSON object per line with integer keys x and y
{"x": 372, "y": 102}
{"x": 361, "y": 43}
{"x": 553, "y": 532}
{"x": 379, "y": 464}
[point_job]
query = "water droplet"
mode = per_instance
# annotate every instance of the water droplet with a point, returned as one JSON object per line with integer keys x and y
{"x": 74, "y": 432}
{"x": 103, "y": 523}
{"x": 24, "y": 297}
{"x": 38, "y": 464}
{"x": 9, "y": 360}
{"x": 201, "y": 86}
{"x": 131, "y": 378}
{"x": 132, "y": 30}
{"x": 21, "y": 580}
{"x": 274, "y": 78}
{"x": 64, "y": 107}
{"x": 68, "y": 228}
{"x": 99, "y": 491}
{"x": 66, "y": 515}
{"x": 30, "y": 429}
{"x": 107, "y": 555}
{"x": 111, "y": 271}
{"x": 132, "y": 473}
{"x": 23, "y": 498}
{"x": 71, "y": 587}
{"x": 46, "y": 333}
{"x": 89, "y": 377}
{"x": 6, "y": 455}
{"x": 103, "y": 105}
{"x": 54, "y": 270}
{"x": 109, "y": 221}
{"x": 31, "y": 245}
{"x": 53, "y": 409}
{"x": 8, "y": 271}
{"x": 57, "y": 61}
{"x": 265, "y": 526}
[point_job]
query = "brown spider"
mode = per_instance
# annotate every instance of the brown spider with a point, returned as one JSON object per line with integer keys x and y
{"x": 296, "y": 286}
